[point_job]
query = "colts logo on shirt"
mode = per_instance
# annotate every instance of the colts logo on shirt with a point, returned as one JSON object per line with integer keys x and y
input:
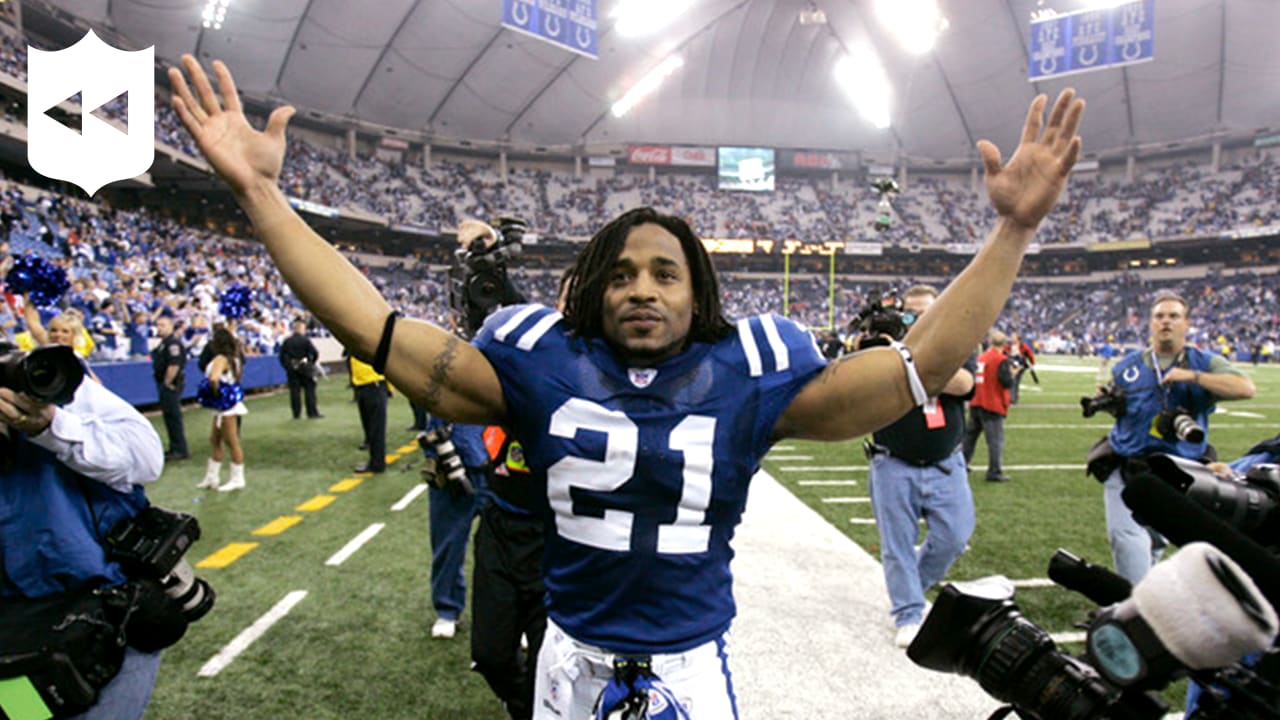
{"x": 642, "y": 377}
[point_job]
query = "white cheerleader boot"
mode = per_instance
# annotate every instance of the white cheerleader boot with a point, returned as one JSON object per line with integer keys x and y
{"x": 214, "y": 469}
{"x": 237, "y": 479}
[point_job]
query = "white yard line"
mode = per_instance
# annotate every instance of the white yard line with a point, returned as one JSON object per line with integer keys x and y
{"x": 356, "y": 543}
{"x": 409, "y": 497}
{"x": 242, "y": 641}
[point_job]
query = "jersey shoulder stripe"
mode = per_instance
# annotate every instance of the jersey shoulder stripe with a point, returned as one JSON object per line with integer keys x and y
{"x": 523, "y": 326}
{"x": 775, "y": 344}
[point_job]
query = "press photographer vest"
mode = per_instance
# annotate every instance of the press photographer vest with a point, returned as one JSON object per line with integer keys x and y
{"x": 1133, "y": 434}
{"x": 51, "y": 519}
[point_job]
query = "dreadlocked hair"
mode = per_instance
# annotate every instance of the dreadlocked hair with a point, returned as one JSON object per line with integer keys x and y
{"x": 584, "y": 304}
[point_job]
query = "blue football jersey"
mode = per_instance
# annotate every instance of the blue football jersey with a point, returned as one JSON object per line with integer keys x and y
{"x": 646, "y": 469}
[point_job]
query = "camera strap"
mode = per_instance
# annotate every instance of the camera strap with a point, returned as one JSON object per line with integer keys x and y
{"x": 918, "y": 392}
{"x": 384, "y": 344}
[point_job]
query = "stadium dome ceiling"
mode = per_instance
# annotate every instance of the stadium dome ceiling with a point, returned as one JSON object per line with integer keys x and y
{"x": 754, "y": 74}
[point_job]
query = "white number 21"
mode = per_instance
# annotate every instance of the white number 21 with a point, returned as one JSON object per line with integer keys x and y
{"x": 693, "y": 437}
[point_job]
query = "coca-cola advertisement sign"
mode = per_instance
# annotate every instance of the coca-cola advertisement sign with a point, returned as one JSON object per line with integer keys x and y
{"x": 693, "y": 156}
{"x": 649, "y": 155}
{"x": 816, "y": 160}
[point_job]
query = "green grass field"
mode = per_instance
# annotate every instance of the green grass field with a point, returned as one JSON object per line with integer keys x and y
{"x": 358, "y": 644}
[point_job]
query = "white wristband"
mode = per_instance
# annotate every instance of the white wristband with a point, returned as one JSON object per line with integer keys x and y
{"x": 913, "y": 376}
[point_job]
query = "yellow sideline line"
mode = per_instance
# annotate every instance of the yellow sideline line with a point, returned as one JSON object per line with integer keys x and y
{"x": 407, "y": 448}
{"x": 345, "y": 485}
{"x": 318, "y": 502}
{"x": 279, "y": 525}
{"x": 226, "y": 555}
{"x": 234, "y": 551}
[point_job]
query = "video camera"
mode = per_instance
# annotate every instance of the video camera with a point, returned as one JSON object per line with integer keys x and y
{"x": 47, "y": 374}
{"x": 1196, "y": 614}
{"x": 478, "y": 281}
{"x": 883, "y": 315}
{"x": 886, "y": 187}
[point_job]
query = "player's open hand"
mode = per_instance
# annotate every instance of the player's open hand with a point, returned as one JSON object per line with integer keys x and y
{"x": 1025, "y": 189}
{"x": 241, "y": 155}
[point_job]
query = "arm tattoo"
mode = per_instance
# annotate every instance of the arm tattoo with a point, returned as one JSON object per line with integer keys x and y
{"x": 829, "y": 371}
{"x": 439, "y": 371}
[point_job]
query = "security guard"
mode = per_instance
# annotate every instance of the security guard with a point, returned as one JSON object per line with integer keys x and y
{"x": 371, "y": 399}
{"x": 168, "y": 366}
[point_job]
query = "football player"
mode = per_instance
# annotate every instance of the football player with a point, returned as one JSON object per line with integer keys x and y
{"x": 641, "y": 409}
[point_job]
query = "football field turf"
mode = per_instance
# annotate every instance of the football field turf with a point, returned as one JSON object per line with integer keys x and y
{"x": 322, "y": 576}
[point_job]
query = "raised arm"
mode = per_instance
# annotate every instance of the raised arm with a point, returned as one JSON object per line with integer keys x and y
{"x": 870, "y": 390}
{"x": 31, "y": 315}
{"x": 435, "y": 369}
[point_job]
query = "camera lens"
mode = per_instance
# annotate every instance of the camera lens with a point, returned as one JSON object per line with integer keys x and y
{"x": 193, "y": 594}
{"x": 1187, "y": 429}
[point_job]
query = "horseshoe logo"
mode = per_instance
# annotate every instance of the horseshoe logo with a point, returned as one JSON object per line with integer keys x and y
{"x": 1048, "y": 65}
{"x": 552, "y": 25}
{"x": 1131, "y": 50}
{"x": 583, "y": 36}
{"x": 1088, "y": 55}
{"x": 1130, "y": 374}
{"x": 520, "y": 13}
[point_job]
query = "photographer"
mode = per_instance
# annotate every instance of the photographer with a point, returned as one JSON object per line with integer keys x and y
{"x": 917, "y": 471}
{"x": 478, "y": 283}
{"x": 461, "y": 464}
{"x": 69, "y": 473}
{"x": 1024, "y": 360}
{"x": 1169, "y": 390}
{"x": 298, "y": 357}
{"x": 990, "y": 405}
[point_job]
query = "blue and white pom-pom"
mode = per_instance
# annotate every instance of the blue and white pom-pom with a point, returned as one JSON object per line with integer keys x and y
{"x": 235, "y": 301}
{"x": 227, "y": 396}
{"x": 43, "y": 281}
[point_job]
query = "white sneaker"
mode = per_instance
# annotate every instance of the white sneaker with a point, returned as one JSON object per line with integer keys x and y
{"x": 445, "y": 629}
{"x": 208, "y": 483}
{"x": 906, "y": 633}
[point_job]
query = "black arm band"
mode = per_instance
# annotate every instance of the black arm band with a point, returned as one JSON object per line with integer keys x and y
{"x": 384, "y": 345}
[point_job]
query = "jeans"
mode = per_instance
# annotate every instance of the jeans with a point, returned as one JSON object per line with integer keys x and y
{"x": 901, "y": 494}
{"x": 985, "y": 422}
{"x": 1134, "y": 548}
{"x": 126, "y": 696}
{"x": 450, "y": 518}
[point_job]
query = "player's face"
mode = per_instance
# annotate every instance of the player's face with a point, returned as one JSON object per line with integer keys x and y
{"x": 648, "y": 305}
{"x": 1169, "y": 326}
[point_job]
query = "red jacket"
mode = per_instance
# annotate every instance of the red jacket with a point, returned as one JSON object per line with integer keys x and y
{"x": 990, "y": 390}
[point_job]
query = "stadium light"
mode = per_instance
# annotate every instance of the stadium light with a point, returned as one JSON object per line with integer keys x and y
{"x": 915, "y": 23}
{"x": 214, "y": 14}
{"x": 861, "y": 76}
{"x": 647, "y": 84}
{"x": 641, "y": 17}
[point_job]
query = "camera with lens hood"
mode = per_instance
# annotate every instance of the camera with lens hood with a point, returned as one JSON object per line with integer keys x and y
{"x": 445, "y": 471}
{"x": 1197, "y": 614}
{"x": 48, "y": 374}
{"x": 151, "y": 545}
